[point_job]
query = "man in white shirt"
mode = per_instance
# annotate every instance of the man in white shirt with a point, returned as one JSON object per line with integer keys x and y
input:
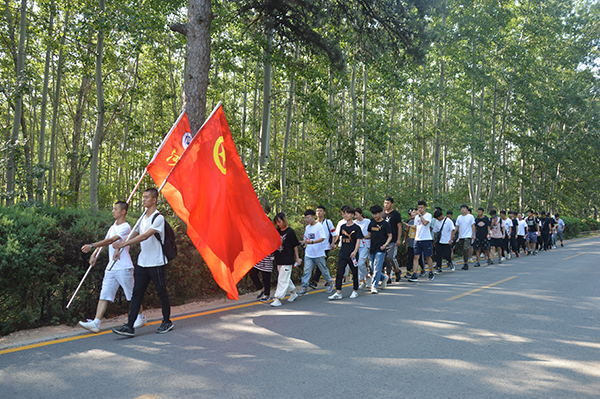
{"x": 152, "y": 264}
{"x": 121, "y": 273}
{"x": 314, "y": 252}
{"x": 465, "y": 229}
{"x": 560, "y": 229}
{"x": 331, "y": 235}
{"x": 521, "y": 233}
{"x": 444, "y": 229}
{"x": 423, "y": 241}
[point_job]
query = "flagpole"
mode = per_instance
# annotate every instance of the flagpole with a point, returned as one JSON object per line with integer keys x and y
{"x": 137, "y": 185}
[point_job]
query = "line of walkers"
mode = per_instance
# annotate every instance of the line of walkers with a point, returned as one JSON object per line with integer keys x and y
{"x": 368, "y": 248}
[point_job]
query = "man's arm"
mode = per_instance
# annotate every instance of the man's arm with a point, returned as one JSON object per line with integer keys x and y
{"x": 423, "y": 220}
{"x": 398, "y": 241}
{"x": 389, "y": 239}
{"x": 135, "y": 239}
{"x": 104, "y": 243}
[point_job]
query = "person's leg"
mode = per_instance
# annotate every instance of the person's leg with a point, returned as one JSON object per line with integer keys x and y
{"x": 101, "y": 309}
{"x": 438, "y": 256}
{"x": 142, "y": 279}
{"x": 253, "y": 273}
{"x": 410, "y": 259}
{"x": 354, "y": 270}
{"x": 447, "y": 252}
{"x": 283, "y": 281}
{"x": 339, "y": 276}
{"x": 363, "y": 253}
{"x": 321, "y": 264}
{"x": 159, "y": 278}
{"x": 316, "y": 276}
{"x": 309, "y": 263}
{"x": 267, "y": 283}
{"x": 377, "y": 262}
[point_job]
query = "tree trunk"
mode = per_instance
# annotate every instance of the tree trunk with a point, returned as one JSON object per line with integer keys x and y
{"x": 42, "y": 136}
{"x": 438, "y": 130}
{"x": 286, "y": 139}
{"x": 266, "y": 114}
{"x": 363, "y": 161}
{"x": 254, "y": 121}
{"x": 100, "y": 120}
{"x": 51, "y": 191}
{"x": 197, "y": 34}
{"x": 20, "y": 66}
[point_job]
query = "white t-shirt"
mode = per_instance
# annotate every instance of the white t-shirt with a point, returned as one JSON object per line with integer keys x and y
{"x": 508, "y": 226}
{"x": 122, "y": 230}
{"x": 337, "y": 230}
{"x": 423, "y": 231}
{"x": 364, "y": 226}
{"x": 560, "y": 225}
{"x": 151, "y": 253}
{"x": 521, "y": 228}
{"x": 464, "y": 224}
{"x": 329, "y": 231}
{"x": 314, "y": 232}
{"x": 446, "y": 232}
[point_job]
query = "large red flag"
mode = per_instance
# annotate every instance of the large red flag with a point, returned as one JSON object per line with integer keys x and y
{"x": 225, "y": 220}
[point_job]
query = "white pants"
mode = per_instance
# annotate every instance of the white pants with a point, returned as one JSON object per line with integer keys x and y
{"x": 284, "y": 281}
{"x": 111, "y": 282}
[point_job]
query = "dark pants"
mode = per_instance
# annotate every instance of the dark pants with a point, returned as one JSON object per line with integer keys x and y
{"x": 142, "y": 276}
{"x": 546, "y": 240}
{"x": 443, "y": 251}
{"x": 513, "y": 245}
{"x": 341, "y": 269}
{"x": 506, "y": 249}
{"x": 265, "y": 285}
{"x": 521, "y": 244}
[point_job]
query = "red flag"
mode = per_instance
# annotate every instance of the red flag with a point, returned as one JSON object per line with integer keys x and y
{"x": 225, "y": 220}
{"x": 167, "y": 155}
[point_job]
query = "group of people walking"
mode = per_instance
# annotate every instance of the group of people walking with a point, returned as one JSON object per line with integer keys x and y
{"x": 368, "y": 248}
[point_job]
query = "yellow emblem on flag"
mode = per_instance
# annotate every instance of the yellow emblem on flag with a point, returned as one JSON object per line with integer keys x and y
{"x": 219, "y": 155}
{"x": 173, "y": 158}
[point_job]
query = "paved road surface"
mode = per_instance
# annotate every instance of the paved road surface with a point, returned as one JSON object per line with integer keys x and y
{"x": 528, "y": 328}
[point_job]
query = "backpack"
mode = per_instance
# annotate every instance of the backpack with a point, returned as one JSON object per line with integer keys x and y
{"x": 169, "y": 247}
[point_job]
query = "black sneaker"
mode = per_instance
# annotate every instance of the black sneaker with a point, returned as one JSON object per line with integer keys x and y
{"x": 561, "y": 245}
{"x": 489, "y": 262}
{"x": 398, "y": 277}
{"x": 260, "y": 294}
{"x": 125, "y": 330}
{"x": 431, "y": 276}
{"x": 423, "y": 273}
{"x": 476, "y": 264}
{"x": 165, "y": 327}
{"x": 465, "y": 267}
{"x": 313, "y": 285}
{"x": 413, "y": 278}
{"x": 264, "y": 298}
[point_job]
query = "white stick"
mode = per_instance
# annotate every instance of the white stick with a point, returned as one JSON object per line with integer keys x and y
{"x": 79, "y": 286}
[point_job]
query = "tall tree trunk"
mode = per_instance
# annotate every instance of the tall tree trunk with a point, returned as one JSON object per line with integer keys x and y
{"x": 472, "y": 152}
{"x": 363, "y": 160}
{"x": 197, "y": 34}
{"x": 286, "y": 139}
{"x": 20, "y": 66}
{"x": 493, "y": 143}
{"x": 481, "y": 125}
{"x": 51, "y": 191}
{"x": 42, "y": 136}
{"x": 244, "y": 116}
{"x": 438, "y": 130}
{"x": 266, "y": 114}
{"x": 100, "y": 119}
{"x": 254, "y": 120}
{"x": 127, "y": 125}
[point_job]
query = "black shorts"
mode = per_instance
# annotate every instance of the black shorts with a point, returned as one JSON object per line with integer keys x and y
{"x": 481, "y": 244}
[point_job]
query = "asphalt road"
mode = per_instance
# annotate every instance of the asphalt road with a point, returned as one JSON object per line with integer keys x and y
{"x": 528, "y": 328}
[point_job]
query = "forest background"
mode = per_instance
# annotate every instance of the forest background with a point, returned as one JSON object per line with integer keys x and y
{"x": 490, "y": 103}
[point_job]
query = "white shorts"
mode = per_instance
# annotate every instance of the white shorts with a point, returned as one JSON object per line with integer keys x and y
{"x": 111, "y": 282}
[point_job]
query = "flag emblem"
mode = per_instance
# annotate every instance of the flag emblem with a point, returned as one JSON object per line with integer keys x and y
{"x": 186, "y": 139}
{"x": 219, "y": 155}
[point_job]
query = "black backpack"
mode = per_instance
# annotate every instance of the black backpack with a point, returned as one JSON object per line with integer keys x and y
{"x": 169, "y": 248}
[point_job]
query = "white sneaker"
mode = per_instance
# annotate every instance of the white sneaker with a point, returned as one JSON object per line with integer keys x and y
{"x": 336, "y": 296}
{"x": 292, "y": 297}
{"x": 329, "y": 288}
{"x": 90, "y": 326}
{"x": 140, "y": 321}
{"x": 276, "y": 302}
{"x": 384, "y": 282}
{"x": 503, "y": 259}
{"x": 368, "y": 285}
{"x": 508, "y": 256}
{"x": 361, "y": 286}
{"x": 353, "y": 295}
{"x": 374, "y": 290}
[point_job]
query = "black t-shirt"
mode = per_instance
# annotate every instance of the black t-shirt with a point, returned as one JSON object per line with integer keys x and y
{"x": 532, "y": 224}
{"x": 349, "y": 236}
{"x": 284, "y": 255}
{"x": 393, "y": 218}
{"x": 481, "y": 225}
{"x": 546, "y": 224}
{"x": 379, "y": 234}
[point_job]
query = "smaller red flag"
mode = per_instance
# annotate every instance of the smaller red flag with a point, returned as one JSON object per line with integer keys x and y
{"x": 225, "y": 219}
